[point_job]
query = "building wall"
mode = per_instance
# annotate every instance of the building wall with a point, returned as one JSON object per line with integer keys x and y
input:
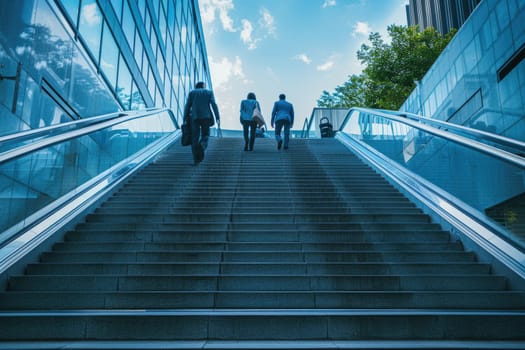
{"x": 479, "y": 79}
{"x": 68, "y": 59}
{"x": 443, "y": 15}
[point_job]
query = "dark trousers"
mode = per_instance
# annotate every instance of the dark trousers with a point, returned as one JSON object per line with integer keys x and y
{"x": 248, "y": 128}
{"x": 200, "y": 132}
{"x": 279, "y": 125}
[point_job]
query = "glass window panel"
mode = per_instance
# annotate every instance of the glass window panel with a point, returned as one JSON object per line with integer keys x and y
{"x": 109, "y": 56}
{"x": 53, "y": 48}
{"x": 142, "y": 8}
{"x": 160, "y": 61}
{"x": 156, "y": 8}
{"x": 151, "y": 83}
{"x": 138, "y": 50}
{"x": 124, "y": 84}
{"x": 137, "y": 102}
{"x": 128, "y": 24}
{"x": 90, "y": 26}
{"x": 171, "y": 17}
{"x": 71, "y": 7}
{"x": 162, "y": 26}
{"x": 88, "y": 95}
{"x": 117, "y": 7}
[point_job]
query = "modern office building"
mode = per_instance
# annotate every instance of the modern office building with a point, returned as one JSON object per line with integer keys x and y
{"x": 67, "y": 60}
{"x": 443, "y": 15}
{"x": 479, "y": 79}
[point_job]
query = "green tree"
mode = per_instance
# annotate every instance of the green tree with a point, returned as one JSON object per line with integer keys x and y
{"x": 350, "y": 93}
{"x": 391, "y": 69}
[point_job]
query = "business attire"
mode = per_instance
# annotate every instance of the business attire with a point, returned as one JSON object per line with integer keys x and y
{"x": 282, "y": 118}
{"x": 249, "y": 126}
{"x": 198, "y": 111}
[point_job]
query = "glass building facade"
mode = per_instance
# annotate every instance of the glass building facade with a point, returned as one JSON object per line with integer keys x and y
{"x": 65, "y": 61}
{"x": 479, "y": 79}
{"x": 443, "y": 15}
{"x": 62, "y": 60}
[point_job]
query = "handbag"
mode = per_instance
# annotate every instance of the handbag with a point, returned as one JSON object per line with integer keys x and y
{"x": 257, "y": 116}
{"x": 186, "y": 134}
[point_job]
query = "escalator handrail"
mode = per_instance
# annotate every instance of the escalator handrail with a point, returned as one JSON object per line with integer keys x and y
{"x": 103, "y": 122}
{"x": 447, "y": 135}
{"x": 498, "y": 139}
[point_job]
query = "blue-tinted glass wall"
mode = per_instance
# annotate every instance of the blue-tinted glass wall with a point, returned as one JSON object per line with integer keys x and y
{"x": 464, "y": 85}
{"x": 70, "y": 59}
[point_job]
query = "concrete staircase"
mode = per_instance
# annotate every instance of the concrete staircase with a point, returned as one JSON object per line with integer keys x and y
{"x": 304, "y": 245}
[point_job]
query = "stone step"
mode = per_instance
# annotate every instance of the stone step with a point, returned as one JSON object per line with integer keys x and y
{"x": 269, "y": 329}
{"x": 289, "y": 217}
{"x": 64, "y": 300}
{"x": 214, "y": 233}
{"x": 248, "y": 257}
{"x": 266, "y": 268}
{"x": 72, "y": 246}
{"x": 240, "y": 209}
{"x": 256, "y": 283}
{"x": 269, "y": 227}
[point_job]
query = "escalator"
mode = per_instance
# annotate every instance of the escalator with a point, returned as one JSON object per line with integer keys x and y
{"x": 329, "y": 244}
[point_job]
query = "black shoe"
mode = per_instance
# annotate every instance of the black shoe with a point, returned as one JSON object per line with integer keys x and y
{"x": 279, "y": 144}
{"x": 285, "y": 147}
{"x": 200, "y": 154}
{"x": 245, "y": 148}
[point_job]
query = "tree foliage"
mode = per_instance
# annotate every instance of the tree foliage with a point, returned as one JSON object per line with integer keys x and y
{"x": 391, "y": 69}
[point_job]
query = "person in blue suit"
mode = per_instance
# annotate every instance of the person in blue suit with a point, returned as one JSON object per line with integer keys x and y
{"x": 198, "y": 112}
{"x": 249, "y": 125}
{"x": 282, "y": 117}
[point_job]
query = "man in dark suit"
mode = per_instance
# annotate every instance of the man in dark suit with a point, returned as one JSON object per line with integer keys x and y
{"x": 198, "y": 112}
{"x": 282, "y": 117}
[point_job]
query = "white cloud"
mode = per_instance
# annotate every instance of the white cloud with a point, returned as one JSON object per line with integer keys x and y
{"x": 328, "y": 3}
{"x": 361, "y": 28}
{"x": 303, "y": 57}
{"x": 209, "y": 8}
{"x": 325, "y": 66}
{"x": 246, "y": 35}
{"x": 268, "y": 22}
{"x": 90, "y": 14}
{"x": 224, "y": 70}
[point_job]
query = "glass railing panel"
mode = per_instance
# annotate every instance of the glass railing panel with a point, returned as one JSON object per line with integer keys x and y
{"x": 483, "y": 181}
{"x": 30, "y": 182}
{"x": 8, "y": 142}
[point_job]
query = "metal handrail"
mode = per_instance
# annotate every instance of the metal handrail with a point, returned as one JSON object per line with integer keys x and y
{"x": 74, "y": 124}
{"x": 103, "y": 123}
{"x": 464, "y": 219}
{"x": 17, "y": 241}
{"x": 476, "y": 145}
{"x": 480, "y": 134}
{"x": 305, "y": 131}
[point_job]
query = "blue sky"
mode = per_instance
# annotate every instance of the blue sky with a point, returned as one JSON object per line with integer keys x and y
{"x": 295, "y": 47}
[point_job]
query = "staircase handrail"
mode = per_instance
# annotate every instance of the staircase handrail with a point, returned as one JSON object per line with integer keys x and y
{"x": 80, "y": 128}
{"x": 479, "y": 134}
{"x": 452, "y": 210}
{"x": 305, "y": 130}
{"x": 19, "y": 240}
{"x": 458, "y": 139}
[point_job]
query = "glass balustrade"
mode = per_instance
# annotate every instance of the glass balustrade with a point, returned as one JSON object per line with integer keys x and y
{"x": 32, "y": 181}
{"x": 485, "y": 182}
